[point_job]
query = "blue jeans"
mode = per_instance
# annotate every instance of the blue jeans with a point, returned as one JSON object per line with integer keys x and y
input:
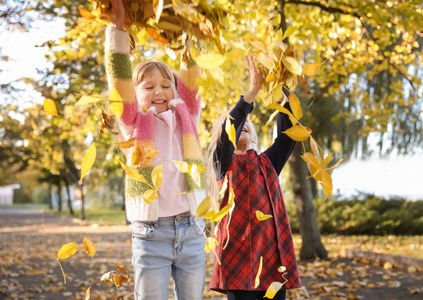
{"x": 171, "y": 246}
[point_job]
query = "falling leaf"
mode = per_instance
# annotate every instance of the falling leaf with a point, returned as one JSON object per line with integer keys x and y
{"x": 281, "y": 269}
{"x": 122, "y": 269}
{"x": 86, "y": 14}
{"x": 88, "y": 160}
{"x": 150, "y": 196}
{"x": 311, "y": 69}
{"x": 261, "y": 216}
{"x": 288, "y": 32}
{"x": 195, "y": 174}
{"x": 295, "y": 104}
{"x": 272, "y": 116}
{"x": 133, "y": 173}
{"x": 119, "y": 280}
{"x": 223, "y": 112}
{"x": 182, "y": 166}
{"x": 155, "y": 36}
{"x": 90, "y": 99}
{"x": 211, "y": 243}
{"x": 89, "y": 247}
{"x": 210, "y": 215}
{"x": 115, "y": 103}
{"x": 225, "y": 210}
{"x": 50, "y": 107}
{"x": 157, "y": 176}
{"x": 314, "y": 147}
{"x": 108, "y": 277}
{"x": 204, "y": 207}
{"x": 298, "y": 133}
{"x": 210, "y": 61}
{"x": 230, "y": 130}
{"x": 273, "y": 288}
{"x": 75, "y": 117}
{"x": 257, "y": 281}
{"x": 88, "y": 293}
{"x": 67, "y": 251}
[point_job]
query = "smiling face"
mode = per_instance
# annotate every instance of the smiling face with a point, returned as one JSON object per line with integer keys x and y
{"x": 155, "y": 91}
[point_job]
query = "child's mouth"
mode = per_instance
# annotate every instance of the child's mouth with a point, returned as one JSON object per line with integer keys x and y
{"x": 158, "y": 101}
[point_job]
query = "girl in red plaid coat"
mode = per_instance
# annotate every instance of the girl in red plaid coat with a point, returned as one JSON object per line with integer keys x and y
{"x": 254, "y": 178}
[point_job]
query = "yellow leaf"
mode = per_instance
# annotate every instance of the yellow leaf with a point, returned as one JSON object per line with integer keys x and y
{"x": 89, "y": 247}
{"x": 257, "y": 281}
{"x": 326, "y": 161}
{"x": 225, "y": 210}
{"x": 127, "y": 144}
{"x": 88, "y": 160}
{"x": 311, "y": 69}
{"x": 295, "y": 104}
{"x": 182, "y": 166}
{"x": 204, "y": 207}
{"x": 298, "y": 133}
{"x": 277, "y": 93}
{"x": 90, "y": 99}
{"x": 326, "y": 184}
{"x": 223, "y": 112}
{"x": 235, "y": 54}
{"x": 314, "y": 147}
{"x": 211, "y": 243}
{"x": 115, "y": 103}
{"x": 261, "y": 216}
{"x": 50, "y": 107}
{"x": 210, "y": 215}
{"x": 158, "y": 9}
{"x": 334, "y": 166}
{"x": 75, "y": 117}
{"x": 195, "y": 174}
{"x": 272, "y": 116}
{"x": 292, "y": 65}
{"x": 133, "y": 173}
{"x": 122, "y": 269}
{"x": 210, "y": 61}
{"x": 67, "y": 251}
{"x": 88, "y": 293}
{"x": 284, "y": 111}
{"x": 265, "y": 60}
{"x": 270, "y": 77}
{"x": 230, "y": 131}
{"x": 288, "y": 32}
{"x": 259, "y": 45}
{"x": 310, "y": 159}
{"x": 150, "y": 196}
{"x": 273, "y": 288}
{"x": 157, "y": 176}
{"x": 86, "y": 14}
{"x": 119, "y": 280}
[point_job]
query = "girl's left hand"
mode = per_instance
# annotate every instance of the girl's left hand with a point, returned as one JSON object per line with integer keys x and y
{"x": 256, "y": 80}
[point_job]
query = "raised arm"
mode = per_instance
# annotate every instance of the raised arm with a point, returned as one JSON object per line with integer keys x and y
{"x": 118, "y": 64}
{"x": 283, "y": 145}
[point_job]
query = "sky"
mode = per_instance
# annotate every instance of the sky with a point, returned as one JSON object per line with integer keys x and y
{"x": 401, "y": 176}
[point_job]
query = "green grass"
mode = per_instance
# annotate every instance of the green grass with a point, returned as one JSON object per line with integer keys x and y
{"x": 101, "y": 216}
{"x": 26, "y": 206}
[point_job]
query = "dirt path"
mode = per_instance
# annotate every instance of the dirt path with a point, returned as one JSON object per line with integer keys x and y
{"x": 30, "y": 240}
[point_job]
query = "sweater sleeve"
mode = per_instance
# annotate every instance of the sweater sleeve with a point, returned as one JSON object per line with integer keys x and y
{"x": 222, "y": 155}
{"x": 119, "y": 72}
{"x": 188, "y": 87}
{"x": 283, "y": 145}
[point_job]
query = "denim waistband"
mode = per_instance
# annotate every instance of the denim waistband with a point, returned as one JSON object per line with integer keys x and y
{"x": 175, "y": 220}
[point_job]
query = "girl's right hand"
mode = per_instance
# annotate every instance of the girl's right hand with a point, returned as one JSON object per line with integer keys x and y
{"x": 256, "y": 80}
{"x": 118, "y": 12}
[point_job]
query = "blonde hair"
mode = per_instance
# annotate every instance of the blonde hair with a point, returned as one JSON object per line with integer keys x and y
{"x": 144, "y": 69}
{"x": 212, "y": 187}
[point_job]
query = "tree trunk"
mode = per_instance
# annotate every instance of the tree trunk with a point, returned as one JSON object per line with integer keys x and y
{"x": 50, "y": 198}
{"x": 312, "y": 246}
{"x": 82, "y": 212}
{"x": 59, "y": 198}
{"x": 69, "y": 197}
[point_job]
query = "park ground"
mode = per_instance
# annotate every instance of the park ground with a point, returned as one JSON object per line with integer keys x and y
{"x": 30, "y": 240}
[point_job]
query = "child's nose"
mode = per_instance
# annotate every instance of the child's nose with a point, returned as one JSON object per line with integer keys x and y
{"x": 158, "y": 90}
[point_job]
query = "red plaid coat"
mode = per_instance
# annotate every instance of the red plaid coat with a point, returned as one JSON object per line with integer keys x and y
{"x": 256, "y": 187}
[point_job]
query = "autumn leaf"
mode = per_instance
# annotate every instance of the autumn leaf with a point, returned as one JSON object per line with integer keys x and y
{"x": 157, "y": 176}
{"x": 210, "y": 61}
{"x": 108, "y": 277}
{"x": 230, "y": 130}
{"x": 133, "y": 173}
{"x": 210, "y": 215}
{"x": 223, "y": 112}
{"x": 75, "y": 117}
{"x": 314, "y": 147}
{"x": 225, "y": 210}
{"x": 119, "y": 280}
{"x": 295, "y": 104}
{"x": 311, "y": 69}
{"x": 88, "y": 160}
{"x": 273, "y": 288}
{"x": 211, "y": 243}
{"x": 89, "y": 247}
{"x": 88, "y": 293}
{"x": 67, "y": 251}
{"x": 122, "y": 269}
{"x": 298, "y": 133}
{"x": 115, "y": 103}
{"x": 50, "y": 107}
{"x": 288, "y": 32}
{"x": 90, "y": 99}
{"x": 257, "y": 281}
{"x": 195, "y": 174}
{"x": 292, "y": 65}
{"x": 150, "y": 196}
{"x": 261, "y": 216}
{"x": 182, "y": 166}
{"x": 203, "y": 208}
{"x": 86, "y": 14}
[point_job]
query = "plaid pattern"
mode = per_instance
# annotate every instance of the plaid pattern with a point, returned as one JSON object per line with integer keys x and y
{"x": 256, "y": 187}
